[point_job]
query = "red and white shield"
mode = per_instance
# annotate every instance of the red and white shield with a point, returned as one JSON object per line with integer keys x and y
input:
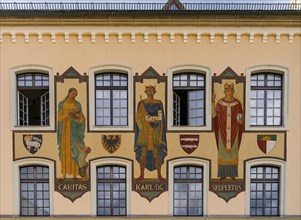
{"x": 189, "y": 142}
{"x": 266, "y": 143}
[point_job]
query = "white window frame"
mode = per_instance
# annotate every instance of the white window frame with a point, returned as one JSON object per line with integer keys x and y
{"x": 16, "y": 183}
{"x": 13, "y": 72}
{"x": 205, "y": 164}
{"x": 107, "y": 162}
{"x": 266, "y": 162}
{"x": 196, "y": 69}
{"x": 285, "y": 102}
{"x": 105, "y": 69}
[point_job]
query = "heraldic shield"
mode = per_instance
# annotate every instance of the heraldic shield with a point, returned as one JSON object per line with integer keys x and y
{"x": 266, "y": 143}
{"x": 111, "y": 143}
{"x": 189, "y": 143}
{"x": 32, "y": 143}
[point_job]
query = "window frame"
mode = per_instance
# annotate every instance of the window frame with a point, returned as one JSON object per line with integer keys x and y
{"x": 14, "y": 72}
{"x": 188, "y": 161}
{"x": 110, "y": 161}
{"x": 282, "y": 173}
{"x": 207, "y": 117}
{"x": 187, "y": 181}
{"x": 92, "y": 90}
{"x": 111, "y": 181}
{"x": 265, "y": 181}
{"x": 188, "y": 90}
{"x": 17, "y": 184}
{"x": 274, "y": 69}
{"x": 110, "y": 89}
{"x": 34, "y": 181}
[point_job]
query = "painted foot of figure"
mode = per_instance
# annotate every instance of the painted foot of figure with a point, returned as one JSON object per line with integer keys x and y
{"x": 161, "y": 179}
{"x": 140, "y": 178}
{"x": 85, "y": 178}
{"x": 222, "y": 178}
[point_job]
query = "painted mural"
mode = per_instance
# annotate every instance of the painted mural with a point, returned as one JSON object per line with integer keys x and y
{"x": 73, "y": 176}
{"x": 228, "y": 123}
{"x": 149, "y": 145}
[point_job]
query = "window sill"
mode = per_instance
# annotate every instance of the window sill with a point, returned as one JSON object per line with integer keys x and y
{"x": 189, "y": 128}
{"x": 110, "y": 128}
{"x": 266, "y": 128}
{"x": 33, "y": 128}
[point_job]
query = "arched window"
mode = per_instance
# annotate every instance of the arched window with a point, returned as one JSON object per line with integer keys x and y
{"x": 188, "y": 191}
{"x": 189, "y": 99}
{"x": 111, "y": 99}
{"x": 265, "y": 187}
{"x": 111, "y": 184}
{"x": 264, "y": 191}
{"x": 189, "y": 95}
{"x": 189, "y": 186}
{"x": 266, "y": 99}
{"x": 34, "y": 191}
{"x": 33, "y": 99}
{"x": 111, "y": 191}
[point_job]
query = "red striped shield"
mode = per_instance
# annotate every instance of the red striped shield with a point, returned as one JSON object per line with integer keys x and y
{"x": 189, "y": 142}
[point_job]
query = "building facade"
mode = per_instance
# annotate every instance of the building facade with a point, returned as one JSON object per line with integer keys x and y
{"x": 143, "y": 110}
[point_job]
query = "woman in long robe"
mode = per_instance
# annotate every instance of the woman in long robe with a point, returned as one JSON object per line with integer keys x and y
{"x": 71, "y": 133}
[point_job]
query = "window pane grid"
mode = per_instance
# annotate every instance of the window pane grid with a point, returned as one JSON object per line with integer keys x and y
{"x": 188, "y": 80}
{"x": 111, "y": 99}
{"x": 32, "y": 80}
{"x": 264, "y": 191}
{"x": 111, "y": 191}
{"x": 34, "y": 198}
{"x": 188, "y": 191}
{"x": 266, "y": 99}
{"x": 196, "y": 114}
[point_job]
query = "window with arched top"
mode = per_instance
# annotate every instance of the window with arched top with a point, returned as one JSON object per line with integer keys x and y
{"x": 111, "y": 99}
{"x": 266, "y": 99}
{"x": 188, "y": 191}
{"x": 34, "y": 191}
{"x": 265, "y": 187}
{"x": 33, "y": 99}
{"x": 189, "y": 95}
{"x": 111, "y": 191}
{"x": 111, "y": 185}
{"x": 188, "y": 186}
{"x": 264, "y": 191}
{"x": 189, "y": 99}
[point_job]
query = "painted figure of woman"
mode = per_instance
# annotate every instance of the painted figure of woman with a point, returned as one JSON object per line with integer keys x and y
{"x": 71, "y": 134}
{"x": 228, "y": 127}
{"x": 150, "y": 134}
